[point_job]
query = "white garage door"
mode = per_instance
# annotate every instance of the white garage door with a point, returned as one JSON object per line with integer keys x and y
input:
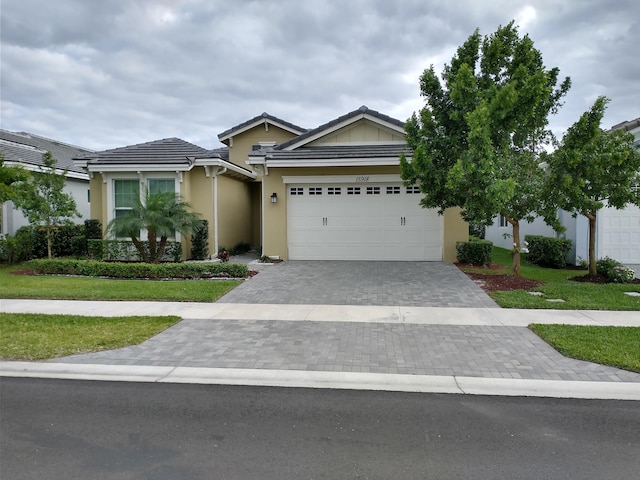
{"x": 361, "y": 222}
{"x": 619, "y": 234}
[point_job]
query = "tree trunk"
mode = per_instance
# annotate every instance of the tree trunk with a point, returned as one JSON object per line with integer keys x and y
{"x": 161, "y": 246}
{"x": 515, "y": 266}
{"x": 153, "y": 249}
{"x": 592, "y": 243}
{"x": 49, "y": 236}
{"x": 140, "y": 248}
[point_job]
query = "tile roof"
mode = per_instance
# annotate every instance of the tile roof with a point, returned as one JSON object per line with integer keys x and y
{"x": 363, "y": 110}
{"x": 165, "y": 151}
{"x": 341, "y": 152}
{"x": 262, "y": 117}
{"x": 28, "y": 148}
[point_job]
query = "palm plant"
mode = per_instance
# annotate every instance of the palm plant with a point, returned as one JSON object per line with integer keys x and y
{"x": 161, "y": 215}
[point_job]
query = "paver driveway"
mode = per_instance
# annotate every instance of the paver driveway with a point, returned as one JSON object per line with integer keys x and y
{"x": 427, "y": 284}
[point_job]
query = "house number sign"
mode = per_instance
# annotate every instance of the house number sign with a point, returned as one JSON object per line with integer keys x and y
{"x": 362, "y": 179}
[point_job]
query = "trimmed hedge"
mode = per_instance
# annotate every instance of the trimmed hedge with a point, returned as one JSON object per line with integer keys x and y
{"x": 547, "y": 251}
{"x": 91, "y": 268}
{"x": 125, "y": 251}
{"x": 475, "y": 252}
{"x": 614, "y": 270}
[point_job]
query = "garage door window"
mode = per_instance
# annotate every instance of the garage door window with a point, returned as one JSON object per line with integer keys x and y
{"x": 353, "y": 190}
{"x": 393, "y": 190}
{"x": 315, "y": 190}
{"x": 413, "y": 189}
{"x": 296, "y": 191}
{"x": 334, "y": 190}
{"x": 373, "y": 190}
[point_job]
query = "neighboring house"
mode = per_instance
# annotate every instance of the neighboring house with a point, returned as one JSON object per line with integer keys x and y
{"x": 617, "y": 235}
{"x": 333, "y": 192}
{"x": 26, "y": 149}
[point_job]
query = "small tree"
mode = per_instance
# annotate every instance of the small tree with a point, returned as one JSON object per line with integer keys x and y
{"x": 161, "y": 215}
{"x": 593, "y": 169}
{"x": 43, "y": 201}
{"x": 476, "y": 144}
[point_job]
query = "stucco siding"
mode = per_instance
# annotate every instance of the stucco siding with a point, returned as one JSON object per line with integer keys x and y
{"x": 234, "y": 212}
{"x": 362, "y": 131}
{"x": 240, "y": 145}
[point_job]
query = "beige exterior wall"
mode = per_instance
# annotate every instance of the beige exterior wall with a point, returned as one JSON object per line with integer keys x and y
{"x": 240, "y": 145}
{"x": 362, "y": 131}
{"x": 197, "y": 190}
{"x": 98, "y": 200}
{"x": 455, "y": 230}
{"x": 234, "y": 212}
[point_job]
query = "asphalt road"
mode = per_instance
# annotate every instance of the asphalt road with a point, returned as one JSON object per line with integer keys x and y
{"x": 59, "y": 429}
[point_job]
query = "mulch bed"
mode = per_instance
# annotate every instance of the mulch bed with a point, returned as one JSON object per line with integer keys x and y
{"x": 494, "y": 283}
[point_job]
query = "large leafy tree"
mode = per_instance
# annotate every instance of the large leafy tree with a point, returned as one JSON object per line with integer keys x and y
{"x": 476, "y": 143}
{"x": 593, "y": 169}
{"x": 43, "y": 201}
{"x": 161, "y": 215}
{"x": 10, "y": 178}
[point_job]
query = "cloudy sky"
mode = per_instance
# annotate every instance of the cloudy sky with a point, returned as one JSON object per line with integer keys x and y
{"x": 108, "y": 73}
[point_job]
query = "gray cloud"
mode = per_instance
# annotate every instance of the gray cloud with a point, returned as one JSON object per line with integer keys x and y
{"x": 107, "y": 74}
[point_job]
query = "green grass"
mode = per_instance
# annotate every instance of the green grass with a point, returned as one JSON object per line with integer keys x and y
{"x": 614, "y": 346}
{"x": 37, "y": 337}
{"x": 576, "y": 295}
{"x": 84, "y": 288}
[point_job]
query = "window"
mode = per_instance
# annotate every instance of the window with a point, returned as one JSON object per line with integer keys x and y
{"x": 334, "y": 190}
{"x": 413, "y": 189}
{"x": 393, "y": 190}
{"x": 125, "y": 194}
{"x": 161, "y": 185}
{"x": 353, "y": 190}
{"x": 503, "y": 221}
{"x": 296, "y": 191}
{"x": 373, "y": 190}
{"x": 315, "y": 190}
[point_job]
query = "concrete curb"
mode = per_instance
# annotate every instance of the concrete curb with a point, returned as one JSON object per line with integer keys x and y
{"x": 332, "y": 380}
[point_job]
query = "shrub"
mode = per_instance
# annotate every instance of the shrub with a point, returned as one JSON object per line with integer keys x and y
{"x": 199, "y": 241}
{"x": 93, "y": 229}
{"x": 91, "y": 268}
{"x": 476, "y": 252}
{"x": 614, "y": 270}
{"x": 547, "y": 251}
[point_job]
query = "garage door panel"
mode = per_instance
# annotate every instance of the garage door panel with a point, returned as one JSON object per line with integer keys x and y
{"x": 374, "y": 226}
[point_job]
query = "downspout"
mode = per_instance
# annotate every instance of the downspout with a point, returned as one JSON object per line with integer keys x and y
{"x": 219, "y": 171}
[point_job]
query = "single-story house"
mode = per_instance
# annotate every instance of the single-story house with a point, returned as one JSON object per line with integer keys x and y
{"x": 26, "y": 150}
{"x": 333, "y": 192}
{"x": 617, "y": 235}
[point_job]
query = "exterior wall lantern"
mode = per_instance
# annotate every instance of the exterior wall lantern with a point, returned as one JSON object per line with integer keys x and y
{"x": 274, "y": 197}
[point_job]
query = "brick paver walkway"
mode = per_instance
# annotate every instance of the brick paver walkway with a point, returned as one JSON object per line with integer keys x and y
{"x": 474, "y": 351}
{"x": 425, "y": 284}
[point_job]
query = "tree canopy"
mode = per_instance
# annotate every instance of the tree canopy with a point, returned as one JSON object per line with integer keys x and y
{"x": 477, "y": 142}
{"x": 161, "y": 215}
{"x": 593, "y": 169}
{"x": 10, "y": 178}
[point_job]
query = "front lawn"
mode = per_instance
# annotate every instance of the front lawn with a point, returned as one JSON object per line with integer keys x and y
{"x": 30, "y": 337}
{"x": 86, "y": 288}
{"x": 557, "y": 286}
{"x": 614, "y": 346}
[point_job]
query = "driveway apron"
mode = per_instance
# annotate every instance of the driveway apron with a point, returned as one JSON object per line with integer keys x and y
{"x": 415, "y": 284}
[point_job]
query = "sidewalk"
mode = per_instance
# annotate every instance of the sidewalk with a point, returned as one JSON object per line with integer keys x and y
{"x": 485, "y": 351}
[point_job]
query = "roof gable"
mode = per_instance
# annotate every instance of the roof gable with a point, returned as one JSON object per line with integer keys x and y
{"x": 263, "y": 119}
{"x": 324, "y": 133}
